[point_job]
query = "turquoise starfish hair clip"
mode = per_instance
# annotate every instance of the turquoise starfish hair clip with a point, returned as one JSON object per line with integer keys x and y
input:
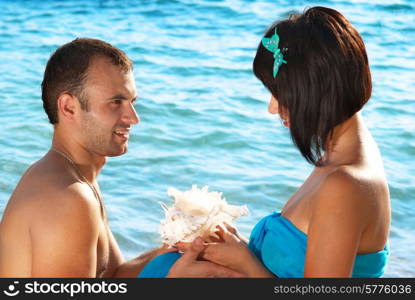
{"x": 271, "y": 44}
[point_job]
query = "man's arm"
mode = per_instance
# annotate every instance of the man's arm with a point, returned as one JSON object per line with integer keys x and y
{"x": 186, "y": 266}
{"x": 133, "y": 267}
{"x": 64, "y": 235}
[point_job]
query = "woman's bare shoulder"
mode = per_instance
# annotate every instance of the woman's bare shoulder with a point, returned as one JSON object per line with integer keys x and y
{"x": 348, "y": 191}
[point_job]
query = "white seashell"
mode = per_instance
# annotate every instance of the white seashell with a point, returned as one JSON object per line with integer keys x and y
{"x": 196, "y": 212}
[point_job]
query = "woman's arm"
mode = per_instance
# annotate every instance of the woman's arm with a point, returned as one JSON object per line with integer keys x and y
{"x": 189, "y": 265}
{"x": 233, "y": 252}
{"x": 338, "y": 220}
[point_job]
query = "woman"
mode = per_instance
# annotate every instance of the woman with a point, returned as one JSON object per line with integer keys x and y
{"x": 337, "y": 223}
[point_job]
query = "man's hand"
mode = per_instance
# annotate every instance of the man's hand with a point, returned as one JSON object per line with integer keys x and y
{"x": 189, "y": 266}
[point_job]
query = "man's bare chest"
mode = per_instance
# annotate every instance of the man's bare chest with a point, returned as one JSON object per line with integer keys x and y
{"x": 103, "y": 251}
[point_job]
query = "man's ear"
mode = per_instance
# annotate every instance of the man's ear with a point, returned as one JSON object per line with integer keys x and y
{"x": 67, "y": 106}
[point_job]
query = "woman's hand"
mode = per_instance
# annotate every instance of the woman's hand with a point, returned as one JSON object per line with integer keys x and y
{"x": 189, "y": 266}
{"x": 232, "y": 251}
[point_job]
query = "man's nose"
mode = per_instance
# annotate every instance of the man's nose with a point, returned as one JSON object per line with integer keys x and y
{"x": 130, "y": 115}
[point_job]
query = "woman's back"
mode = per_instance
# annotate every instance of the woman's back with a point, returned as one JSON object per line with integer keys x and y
{"x": 347, "y": 196}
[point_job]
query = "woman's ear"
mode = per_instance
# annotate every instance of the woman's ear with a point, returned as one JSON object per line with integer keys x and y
{"x": 67, "y": 106}
{"x": 273, "y": 106}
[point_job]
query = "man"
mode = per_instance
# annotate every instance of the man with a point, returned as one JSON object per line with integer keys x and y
{"x": 55, "y": 223}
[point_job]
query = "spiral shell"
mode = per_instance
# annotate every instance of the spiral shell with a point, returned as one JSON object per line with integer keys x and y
{"x": 196, "y": 212}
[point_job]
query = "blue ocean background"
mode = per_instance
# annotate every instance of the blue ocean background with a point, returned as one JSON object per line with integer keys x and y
{"x": 204, "y": 116}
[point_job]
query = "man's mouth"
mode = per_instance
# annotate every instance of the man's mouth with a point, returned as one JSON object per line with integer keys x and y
{"x": 122, "y": 133}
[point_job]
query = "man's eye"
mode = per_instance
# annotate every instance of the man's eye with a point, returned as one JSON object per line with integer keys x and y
{"x": 116, "y": 101}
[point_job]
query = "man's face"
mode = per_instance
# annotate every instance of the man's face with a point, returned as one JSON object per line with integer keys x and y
{"x": 111, "y": 93}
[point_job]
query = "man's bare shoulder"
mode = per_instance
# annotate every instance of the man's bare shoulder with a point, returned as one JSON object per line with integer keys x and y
{"x": 50, "y": 191}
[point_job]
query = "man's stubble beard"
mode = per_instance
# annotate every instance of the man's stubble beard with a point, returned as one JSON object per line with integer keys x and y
{"x": 99, "y": 140}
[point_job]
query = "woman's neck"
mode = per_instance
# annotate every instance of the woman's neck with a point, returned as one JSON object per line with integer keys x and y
{"x": 345, "y": 145}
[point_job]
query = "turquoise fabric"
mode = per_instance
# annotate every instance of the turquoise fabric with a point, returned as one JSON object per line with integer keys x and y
{"x": 159, "y": 266}
{"x": 281, "y": 247}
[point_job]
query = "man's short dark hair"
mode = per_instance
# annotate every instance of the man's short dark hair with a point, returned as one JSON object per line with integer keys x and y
{"x": 326, "y": 79}
{"x": 67, "y": 69}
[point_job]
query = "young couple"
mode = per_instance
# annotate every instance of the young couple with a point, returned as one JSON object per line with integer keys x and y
{"x": 336, "y": 224}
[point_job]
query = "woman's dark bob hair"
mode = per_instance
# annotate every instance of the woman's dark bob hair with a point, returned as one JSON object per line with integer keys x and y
{"x": 326, "y": 79}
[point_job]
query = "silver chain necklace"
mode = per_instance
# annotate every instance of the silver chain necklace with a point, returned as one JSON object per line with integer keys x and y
{"x": 69, "y": 158}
